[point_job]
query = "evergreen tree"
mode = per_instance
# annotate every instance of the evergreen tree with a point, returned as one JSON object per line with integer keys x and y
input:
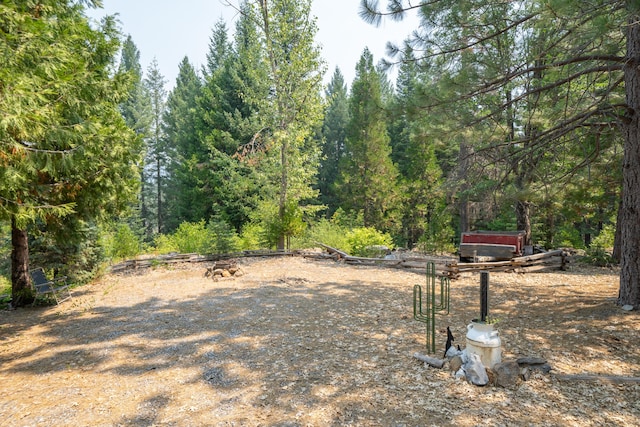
{"x": 157, "y": 154}
{"x": 572, "y": 76}
{"x": 66, "y": 152}
{"x": 235, "y": 82}
{"x": 333, "y": 136}
{"x": 186, "y": 199}
{"x": 424, "y": 215}
{"x": 136, "y": 110}
{"x": 369, "y": 178}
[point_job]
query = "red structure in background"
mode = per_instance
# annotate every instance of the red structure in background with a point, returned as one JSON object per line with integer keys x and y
{"x": 499, "y": 245}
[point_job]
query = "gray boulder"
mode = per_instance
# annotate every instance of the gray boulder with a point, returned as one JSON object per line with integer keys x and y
{"x": 475, "y": 371}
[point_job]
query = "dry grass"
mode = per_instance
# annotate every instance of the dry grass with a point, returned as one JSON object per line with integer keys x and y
{"x": 295, "y": 342}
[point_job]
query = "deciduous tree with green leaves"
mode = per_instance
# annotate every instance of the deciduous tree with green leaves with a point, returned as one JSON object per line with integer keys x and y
{"x": 293, "y": 109}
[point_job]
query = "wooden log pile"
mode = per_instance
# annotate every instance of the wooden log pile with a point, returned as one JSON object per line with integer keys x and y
{"x": 152, "y": 261}
{"x": 552, "y": 260}
{"x": 557, "y": 259}
{"x": 445, "y": 266}
{"x": 146, "y": 262}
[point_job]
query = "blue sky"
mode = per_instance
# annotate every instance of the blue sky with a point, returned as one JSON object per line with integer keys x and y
{"x": 169, "y": 30}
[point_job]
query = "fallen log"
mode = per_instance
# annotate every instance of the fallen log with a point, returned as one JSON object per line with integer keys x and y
{"x": 334, "y": 250}
{"x": 535, "y": 257}
{"x": 431, "y": 361}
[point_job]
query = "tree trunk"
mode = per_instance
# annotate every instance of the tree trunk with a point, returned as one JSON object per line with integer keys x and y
{"x": 630, "y": 208}
{"x": 523, "y": 219}
{"x": 159, "y": 191}
{"x": 20, "y": 281}
{"x": 283, "y": 194}
{"x": 463, "y": 176}
{"x": 617, "y": 242}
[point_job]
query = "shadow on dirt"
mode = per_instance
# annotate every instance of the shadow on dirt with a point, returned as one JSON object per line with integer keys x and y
{"x": 301, "y": 345}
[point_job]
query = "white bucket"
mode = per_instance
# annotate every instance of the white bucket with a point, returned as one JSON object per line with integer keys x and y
{"x": 484, "y": 341}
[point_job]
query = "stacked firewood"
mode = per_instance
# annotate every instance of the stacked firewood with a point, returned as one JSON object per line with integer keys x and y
{"x": 552, "y": 260}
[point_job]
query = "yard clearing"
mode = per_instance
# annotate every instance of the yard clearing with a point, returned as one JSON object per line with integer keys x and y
{"x": 297, "y": 342}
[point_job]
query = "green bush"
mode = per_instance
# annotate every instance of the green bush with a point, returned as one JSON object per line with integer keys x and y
{"x": 191, "y": 237}
{"x": 252, "y": 237}
{"x": 323, "y": 231}
{"x": 568, "y": 237}
{"x": 224, "y": 238}
{"x": 198, "y": 237}
{"x": 439, "y": 235}
{"x": 362, "y": 241}
{"x": 605, "y": 238}
{"x": 348, "y": 220}
{"x": 5, "y": 285}
{"x": 164, "y": 244}
{"x": 121, "y": 242}
{"x": 599, "y": 253}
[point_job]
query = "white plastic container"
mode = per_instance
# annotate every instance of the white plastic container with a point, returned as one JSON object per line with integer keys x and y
{"x": 484, "y": 340}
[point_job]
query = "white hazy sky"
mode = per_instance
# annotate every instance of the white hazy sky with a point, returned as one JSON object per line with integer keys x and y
{"x": 169, "y": 30}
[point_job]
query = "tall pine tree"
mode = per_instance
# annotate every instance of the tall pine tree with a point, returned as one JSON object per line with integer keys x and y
{"x": 368, "y": 182}
{"x": 186, "y": 199}
{"x": 334, "y": 128}
{"x": 157, "y": 150}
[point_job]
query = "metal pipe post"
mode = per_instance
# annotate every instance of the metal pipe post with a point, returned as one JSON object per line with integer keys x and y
{"x": 484, "y": 296}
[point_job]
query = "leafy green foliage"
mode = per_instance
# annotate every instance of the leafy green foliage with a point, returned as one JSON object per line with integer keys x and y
{"x": 199, "y": 237}
{"x": 366, "y": 241}
{"x": 224, "y": 238}
{"x": 439, "y": 235}
{"x": 600, "y": 251}
{"x": 120, "y": 242}
{"x": 190, "y": 237}
{"x": 325, "y": 231}
{"x": 568, "y": 236}
{"x": 293, "y": 110}
{"x": 252, "y": 237}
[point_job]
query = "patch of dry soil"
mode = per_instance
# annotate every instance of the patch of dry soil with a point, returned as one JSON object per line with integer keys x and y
{"x": 298, "y": 342}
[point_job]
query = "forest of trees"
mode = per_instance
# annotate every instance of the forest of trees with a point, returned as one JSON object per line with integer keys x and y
{"x": 509, "y": 115}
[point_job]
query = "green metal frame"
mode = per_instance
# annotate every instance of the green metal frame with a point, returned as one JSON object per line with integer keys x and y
{"x": 426, "y": 313}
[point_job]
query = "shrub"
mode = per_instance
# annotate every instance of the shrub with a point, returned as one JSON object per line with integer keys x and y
{"x": 252, "y": 237}
{"x": 5, "y": 285}
{"x": 164, "y": 244}
{"x": 362, "y": 241}
{"x": 569, "y": 237}
{"x": 599, "y": 253}
{"x": 439, "y": 234}
{"x": 224, "y": 238}
{"x": 605, "y": 238}
{"x": 121, "y": 243}
{"x": 323, "y": 231}
{"x": 192, "y": 237}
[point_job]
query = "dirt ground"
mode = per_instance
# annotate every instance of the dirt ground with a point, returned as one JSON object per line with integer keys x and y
{"x": 298, "y": 342}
